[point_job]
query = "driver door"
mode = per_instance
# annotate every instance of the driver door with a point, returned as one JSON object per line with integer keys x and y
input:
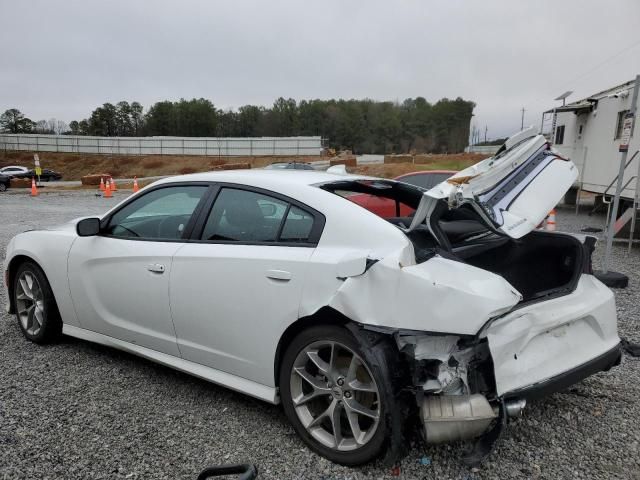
{"x": 119, "y": 280}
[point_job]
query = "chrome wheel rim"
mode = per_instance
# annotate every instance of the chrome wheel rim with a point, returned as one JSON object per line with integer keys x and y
{"x": 335, "y": 396}
{"x": 30, "y": 303}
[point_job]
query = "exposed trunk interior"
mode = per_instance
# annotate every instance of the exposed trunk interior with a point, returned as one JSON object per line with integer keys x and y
{"x": 538, "y": 265}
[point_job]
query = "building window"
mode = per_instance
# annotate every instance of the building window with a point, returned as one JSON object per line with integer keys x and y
{"x": 559, "y": 135}
{"x": 620, "y": 123}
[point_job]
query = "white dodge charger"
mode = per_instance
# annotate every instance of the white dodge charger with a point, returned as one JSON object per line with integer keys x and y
{"x": 281, "y": 285}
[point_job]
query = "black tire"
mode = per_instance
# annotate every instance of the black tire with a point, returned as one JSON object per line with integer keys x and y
{"x": 390, "y": 413}
{"x": 51, "y": 327}
{"x": 3, "y": 187}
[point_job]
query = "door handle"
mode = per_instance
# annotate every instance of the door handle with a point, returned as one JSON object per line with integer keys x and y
{"x": 279, "y": 275}
{"x": 155, "y": 267}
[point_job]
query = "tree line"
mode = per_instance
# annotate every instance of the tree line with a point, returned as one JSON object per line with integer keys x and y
{"x": 363, "y": 126}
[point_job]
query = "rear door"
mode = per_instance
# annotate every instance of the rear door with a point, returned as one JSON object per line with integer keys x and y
{"x": 515, "y": 189}
{"x": 238, "y": 284}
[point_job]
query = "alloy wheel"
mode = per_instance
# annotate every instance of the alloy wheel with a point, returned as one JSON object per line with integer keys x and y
{"x": 30, "y": 303}
{"x": 335, "y": 396}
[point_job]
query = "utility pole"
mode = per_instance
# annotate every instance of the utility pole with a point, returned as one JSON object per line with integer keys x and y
{"x": 485, "y": 133}
{"x": 609, "y": 278}
{"x": 522, "y": 121}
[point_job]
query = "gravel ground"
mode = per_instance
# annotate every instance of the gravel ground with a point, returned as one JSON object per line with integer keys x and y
{"x": 76, "y": 410}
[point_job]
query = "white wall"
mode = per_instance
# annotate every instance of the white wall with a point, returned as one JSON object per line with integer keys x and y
{"x": 600, "y": 161}
{"x": 163, "y": 145}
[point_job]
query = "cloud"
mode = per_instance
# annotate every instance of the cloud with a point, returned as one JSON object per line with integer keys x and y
{"x": 63, "y": 58}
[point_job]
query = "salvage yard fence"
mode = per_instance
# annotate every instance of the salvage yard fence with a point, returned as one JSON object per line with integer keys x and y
{"x": 214, "y": 146}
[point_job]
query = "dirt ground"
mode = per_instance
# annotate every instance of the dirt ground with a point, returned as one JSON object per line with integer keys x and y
{"x": 455, "y": 162}
{"x": 72, "y": 166}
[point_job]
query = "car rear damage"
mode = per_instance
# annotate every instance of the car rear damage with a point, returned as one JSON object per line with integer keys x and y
{"x": 481, "y": 352}
{"x": 485, "y": 312}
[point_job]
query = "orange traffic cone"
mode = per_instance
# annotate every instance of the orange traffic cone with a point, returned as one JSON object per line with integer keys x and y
{"x": 34, "y": 189}
{"x": 551, "y": 221}
{"x": 107, "y": 190}
{"x": 113, "y": 184}
{"x": 102, "y": 184}
{"x": 135, "y": 185}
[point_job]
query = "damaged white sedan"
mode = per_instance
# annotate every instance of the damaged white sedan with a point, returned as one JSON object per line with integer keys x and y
{"x": 279, "y": 285}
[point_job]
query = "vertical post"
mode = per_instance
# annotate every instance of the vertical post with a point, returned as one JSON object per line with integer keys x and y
{"x": 636, "y": 196}
{"x": 616, "y": 200}
{"x": 584, "y": 167}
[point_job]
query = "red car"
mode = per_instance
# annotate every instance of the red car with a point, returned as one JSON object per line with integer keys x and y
{"x": 386, "y": 207}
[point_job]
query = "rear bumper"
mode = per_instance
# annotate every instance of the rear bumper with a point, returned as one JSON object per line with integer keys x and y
{"x": 560, "y": 382}
{"x": 551, "y": 344}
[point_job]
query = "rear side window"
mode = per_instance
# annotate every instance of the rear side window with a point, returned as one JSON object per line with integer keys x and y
{"x": 246, "y": 216}
{"x": 297, "y": 226}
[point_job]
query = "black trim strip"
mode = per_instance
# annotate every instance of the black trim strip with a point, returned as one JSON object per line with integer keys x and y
{"x": 199, "y": 217}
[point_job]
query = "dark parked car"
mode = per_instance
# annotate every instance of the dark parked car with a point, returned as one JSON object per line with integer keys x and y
{"x": 47, "y": 175}
{"x": 4, "y": 182}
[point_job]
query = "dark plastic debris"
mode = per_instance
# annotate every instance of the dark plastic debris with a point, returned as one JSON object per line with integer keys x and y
{"x": 591, "y": 230}
{"x": 246, "y": 471}
{"x": 632, "y": 349}
{"x": 485, "y": 444}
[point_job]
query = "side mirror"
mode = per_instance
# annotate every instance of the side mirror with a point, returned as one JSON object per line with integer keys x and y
{"x": 88, "y": 227}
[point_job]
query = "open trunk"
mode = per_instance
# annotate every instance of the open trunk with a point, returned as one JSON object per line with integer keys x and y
{"x": 538, "y": 265}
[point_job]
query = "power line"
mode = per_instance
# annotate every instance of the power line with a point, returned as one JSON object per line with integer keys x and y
{"x": 607, "y": 60}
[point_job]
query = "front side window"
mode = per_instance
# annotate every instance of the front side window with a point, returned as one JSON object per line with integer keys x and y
{"x": 245, "y": 216}
{"x": 161, "y": 214}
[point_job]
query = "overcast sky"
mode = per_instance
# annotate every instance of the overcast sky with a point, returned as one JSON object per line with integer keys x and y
{"x": 63, "y": 58}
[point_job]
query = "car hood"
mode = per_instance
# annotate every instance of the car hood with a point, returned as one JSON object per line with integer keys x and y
{"x": 513, "y": 191}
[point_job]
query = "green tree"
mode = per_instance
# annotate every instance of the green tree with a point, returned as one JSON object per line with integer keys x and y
{"x": 14, "y": 121}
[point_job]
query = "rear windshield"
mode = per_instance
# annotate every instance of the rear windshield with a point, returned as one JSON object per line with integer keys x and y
{"x": 385, "y": 198}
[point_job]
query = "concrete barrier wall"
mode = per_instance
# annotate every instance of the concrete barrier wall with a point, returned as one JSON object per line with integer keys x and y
{"x": 255, "y": 146}
{"x": 486, "y": 149}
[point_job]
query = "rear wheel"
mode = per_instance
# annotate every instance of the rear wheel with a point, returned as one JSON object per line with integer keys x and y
{"x": 3, "y": 187}
{"x": 36, "y": 307}
{"x": 333, "y": 397}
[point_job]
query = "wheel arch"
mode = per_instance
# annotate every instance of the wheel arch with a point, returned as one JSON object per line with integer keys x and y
{"x": 324, "y": 316}
{"x": 14, "y": 265}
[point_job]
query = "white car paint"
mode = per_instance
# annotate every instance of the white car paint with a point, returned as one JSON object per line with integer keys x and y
{"x": 550, "y": 336}
{"x": 545, "y": 179}
{"x": 218, "y": 311}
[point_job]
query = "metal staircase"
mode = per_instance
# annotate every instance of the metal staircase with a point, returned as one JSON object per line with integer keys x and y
{"x": 625, "y": 224}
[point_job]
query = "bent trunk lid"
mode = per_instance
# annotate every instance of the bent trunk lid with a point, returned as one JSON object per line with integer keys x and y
{"x": 514, "y": 190}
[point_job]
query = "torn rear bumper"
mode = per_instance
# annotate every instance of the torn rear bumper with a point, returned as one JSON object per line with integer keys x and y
{"x": 601, "y": 363}
{"x": 541, "y": 342}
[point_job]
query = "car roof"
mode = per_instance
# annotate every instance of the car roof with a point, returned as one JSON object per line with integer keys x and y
{"x": 259, "y": 177}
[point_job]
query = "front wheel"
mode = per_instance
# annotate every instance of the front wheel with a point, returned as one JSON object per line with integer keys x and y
{"x": 334, "y": 397}
{"x": 36, "y": 307}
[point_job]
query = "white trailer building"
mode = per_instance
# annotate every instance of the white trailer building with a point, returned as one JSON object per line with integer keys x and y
{"x": 589, "y": 132}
